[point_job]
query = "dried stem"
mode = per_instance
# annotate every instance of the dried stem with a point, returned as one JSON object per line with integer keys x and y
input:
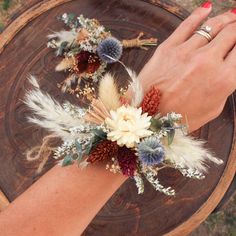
{"x": 138, "y": 42}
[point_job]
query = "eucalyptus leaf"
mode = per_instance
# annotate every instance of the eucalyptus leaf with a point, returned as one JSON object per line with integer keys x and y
{"x": 71, "y": 16}
{"x": 99, "y": 136}
{"x": 168, "y": 124}
{"x": 62, "y": 48}
{"x": 70, "y": 19}
{"x": 68, "y": 160}
{"x": 100, "y": 133}
{"x": 156, "y": 125}
{"x": 78, "y": 146}
{"x": 88, "y": 148}
{"x": 79, "y": 149}
{"x": 76, "y": 24}
{"x": 75, "y": 50}
{"x": 170, "y": 136}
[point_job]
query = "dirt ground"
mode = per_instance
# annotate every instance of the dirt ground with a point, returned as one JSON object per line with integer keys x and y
{"x": 222, "y": 223}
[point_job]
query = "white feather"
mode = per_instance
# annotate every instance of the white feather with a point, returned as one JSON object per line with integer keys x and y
{"x": 190, "y": 153}
{"x": 64, "y": 36}
{"x": 52, "y": 115}
{"x": 136, "y": 89}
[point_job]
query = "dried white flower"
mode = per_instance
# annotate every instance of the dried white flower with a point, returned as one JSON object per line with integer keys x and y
{"x": 190, "y": 173}
{"x": 153, "y": 180}
{"x": 139, "y": 183}
{"x": 114, "y": 167}
{"x": 128, "y": 125}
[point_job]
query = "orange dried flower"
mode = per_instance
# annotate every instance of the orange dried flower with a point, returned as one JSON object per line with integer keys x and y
{"x": 104, "y": 150}
{"x": 151, "y": 101}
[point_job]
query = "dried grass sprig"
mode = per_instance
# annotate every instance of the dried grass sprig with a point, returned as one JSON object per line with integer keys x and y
{"x": 97, "y": 113}
{"x": 108, "y": 93}
{"x": 66, "y": 63}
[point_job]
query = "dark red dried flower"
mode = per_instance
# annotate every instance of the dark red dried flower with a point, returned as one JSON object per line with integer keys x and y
{"x": 87, "y": 62}
{"x": 104, "y": 150}
{"x": 151, "y": 101}
{"x": 127, "y": 161}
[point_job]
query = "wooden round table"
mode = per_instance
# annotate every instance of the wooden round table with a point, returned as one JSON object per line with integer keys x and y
{"x": 23, "y": 51}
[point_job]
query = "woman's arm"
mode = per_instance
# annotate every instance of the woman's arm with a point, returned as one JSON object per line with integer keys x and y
{"x": 62, "y": 202}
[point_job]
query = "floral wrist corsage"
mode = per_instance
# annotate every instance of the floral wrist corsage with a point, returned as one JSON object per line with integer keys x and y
{"x": 129, "y": 135}
{"x": 88, "y": 47}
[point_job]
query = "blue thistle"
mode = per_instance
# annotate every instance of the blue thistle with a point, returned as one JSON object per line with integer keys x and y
{"x": 110, "y": 50}
{"x": 151, "y": 151}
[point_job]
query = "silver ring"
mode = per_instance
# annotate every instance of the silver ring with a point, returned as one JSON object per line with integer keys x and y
{"x": 205, "y": 31}
{"x": 206, "y": 28}
{"x": 204, "y": 34}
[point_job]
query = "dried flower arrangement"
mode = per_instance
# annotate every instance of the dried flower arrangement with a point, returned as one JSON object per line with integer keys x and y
{"x": 88, "y": 47}
{"x": 129, "y": 135}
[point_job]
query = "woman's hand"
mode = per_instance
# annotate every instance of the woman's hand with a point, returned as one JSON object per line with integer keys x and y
{"x": 195, "y": 76}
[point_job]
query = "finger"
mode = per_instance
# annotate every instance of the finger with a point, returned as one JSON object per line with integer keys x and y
{"x": 216, "y": 24}
{"x": 222, "y": 44}
{"x": 230, "y": 64}
{"x": 188, "y": 26}
{"x": 231, "y": 58}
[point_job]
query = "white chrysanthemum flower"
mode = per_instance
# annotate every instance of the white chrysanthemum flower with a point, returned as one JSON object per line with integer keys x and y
{"x": 128, "y": 125}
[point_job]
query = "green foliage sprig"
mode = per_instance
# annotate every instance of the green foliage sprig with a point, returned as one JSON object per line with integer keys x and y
{"x": 6, "y": 4}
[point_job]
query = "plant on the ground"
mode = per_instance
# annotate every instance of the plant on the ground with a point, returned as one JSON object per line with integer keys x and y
{"x": 6, "y": 4}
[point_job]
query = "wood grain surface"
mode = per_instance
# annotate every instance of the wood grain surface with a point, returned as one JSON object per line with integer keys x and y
{"x": 23, "y": 52}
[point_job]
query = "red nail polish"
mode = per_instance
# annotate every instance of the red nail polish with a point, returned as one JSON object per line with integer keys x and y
{"x": 207, "y": 4}
{"x": 233, "y": 11}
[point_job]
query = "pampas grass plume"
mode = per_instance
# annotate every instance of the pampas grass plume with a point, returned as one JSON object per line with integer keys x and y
{"x": 50, "y": 114}
{"x": 190, "y": 153}
{"x": 108, "y": 93}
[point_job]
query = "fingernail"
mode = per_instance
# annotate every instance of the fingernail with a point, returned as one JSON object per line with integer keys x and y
{"x": 207, "y": 4}
{"x": 233, "y": 11}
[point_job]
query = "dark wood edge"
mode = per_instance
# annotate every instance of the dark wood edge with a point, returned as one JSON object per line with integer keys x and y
{"x": 228, "y": 197}
{"x": 171, "y": 7}
{"x": 13, "y": 28}
{"x": 225, "y": 180}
